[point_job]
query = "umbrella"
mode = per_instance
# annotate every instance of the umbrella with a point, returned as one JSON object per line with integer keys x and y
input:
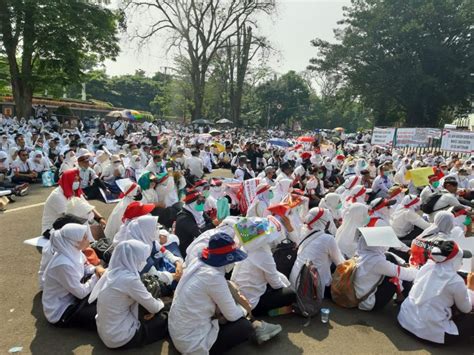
{"x": 224, "y": 121}
{"x": 220, "y": 147}
{"x": 132, "y": 114}
{"x": 339, "y": 129}
{"x": 306, "y": 139}
{"x": 115, "y": 114}
{"x": 201, "y": 121}
{"x": 279, "y": 142}
{"x": 214, "y": 132}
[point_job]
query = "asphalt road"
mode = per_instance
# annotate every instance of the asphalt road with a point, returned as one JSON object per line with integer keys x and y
{"x": 348, "y": 332}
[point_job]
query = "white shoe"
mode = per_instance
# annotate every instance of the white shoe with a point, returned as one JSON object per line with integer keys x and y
{"x": 265, "y": 331}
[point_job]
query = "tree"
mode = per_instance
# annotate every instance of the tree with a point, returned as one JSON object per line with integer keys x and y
{"x": 411, "y": 57}
{"x": 51, "y": 36}
{"x": 200, "y": 28}
{"x": 284, "y": 98}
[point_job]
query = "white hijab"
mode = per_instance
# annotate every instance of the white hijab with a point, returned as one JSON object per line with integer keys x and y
{"x": 142, "y": 228}
{"x": 442, "y": 226}
{"x": 331, "y": 201}
{"x": 433, "y": 277}
{"x": 281, "y": 190}
{"x": 65, "y": 242}
{"x": 354, "y": 218}
{"x": 126, "y": 260}
{"x": 115, "y": 219}
{"x": 368, "y": 258}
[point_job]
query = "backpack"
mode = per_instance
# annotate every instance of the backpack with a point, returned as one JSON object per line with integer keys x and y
{"x": 428, "y": 206}
{"x": 310, "y": 291}
{"x": 285, "y": 254}
{"x": 342, "y": 285}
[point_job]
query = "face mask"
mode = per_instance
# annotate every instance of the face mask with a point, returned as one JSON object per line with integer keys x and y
{"x": 467, "y": 221}
{"x": 320, "y": 175}
{"x": 271, "y": 195}
{"x": 199, "y": 207}
{"x": 206, "y": 193}
{"x": 75, "y": 185}
{"x": 339, "y": 206}
{"x": 436, "y": 184}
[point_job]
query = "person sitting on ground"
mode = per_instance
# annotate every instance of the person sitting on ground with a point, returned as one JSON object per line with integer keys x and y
{"x": 379, "y": 275}
{"x": 205, "y": 317}
{"x": 346, "y": 235}
{"x": 191, "y": 221}
{"x": 263, "y": 196}
{"x": 406, "y": 222}
{"x": 22, "y": 170}
{"x": 56, "y": 203}
{"x": 257, "y": 277}
{"x": 90, "y": 182}
{"x": 440, "y": 305}
{"x": 119, "y": 294}
{"x": 65, "y": 295}
{"x": 448, "y": 197}
{"x": 319, "y": 247}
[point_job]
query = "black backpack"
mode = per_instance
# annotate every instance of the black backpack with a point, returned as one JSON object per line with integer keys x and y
{"x": 285, "y": 254}
{"x": 428, "y": 206}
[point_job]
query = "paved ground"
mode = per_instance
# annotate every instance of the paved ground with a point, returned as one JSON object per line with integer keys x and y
{"x": 349, "y": 331}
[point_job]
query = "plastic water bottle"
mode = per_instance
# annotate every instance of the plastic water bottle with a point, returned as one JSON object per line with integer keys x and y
{"x": 325, "y": 315}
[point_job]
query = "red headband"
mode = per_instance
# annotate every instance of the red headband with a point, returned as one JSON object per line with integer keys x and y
{"x": 318, "y": 216}
{"x": 451, "y": 255}
{"x": 218, "y": 251}
{"x": 263, "y": 189}
{"x": 130, "y": 189}
{"x": 381, "y": 205}
{"x": 460, "y": 213}
{"x": 414, "y": 202}
{"x": 360, "y": 193}
{"x": 353, "y": 183}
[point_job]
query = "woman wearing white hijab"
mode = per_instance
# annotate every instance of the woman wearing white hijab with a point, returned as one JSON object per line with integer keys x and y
{"x": 259, "y": 205}
{"x": 38, "y": 162}
{"x": 346, "y": 236}
{"x": 318, "y": 246}
{"x": 118, "y": 295}
{"x": 440, "y": 229}
{"x": 69, "y": 162}
{"x": 146, "y": 230}
{"x": 130, "y": 190}
{"x": 281, "y": 190}
{"x": 357, "y": 195}
{"x": 257, "y": 276}
{"x": 333, "y": 203}
{"x": 379, "y": 276}
{"x": 134, "y": 167}
{"x": 428, "y": 310}
{"x": 64, "y": 294}
{"x": 406, "y": 222}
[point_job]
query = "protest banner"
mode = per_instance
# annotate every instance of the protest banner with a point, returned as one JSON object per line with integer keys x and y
{"x": 383, "y": 136}
{"x": 416, "y": 137}
{"x": 458, "y": 141}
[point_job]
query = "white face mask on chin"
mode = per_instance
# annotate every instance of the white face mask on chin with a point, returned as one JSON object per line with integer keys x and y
{"x": 75, "y": 185}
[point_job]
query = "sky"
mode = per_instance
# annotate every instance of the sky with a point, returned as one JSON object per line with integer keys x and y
{"x": 290, "y": 31}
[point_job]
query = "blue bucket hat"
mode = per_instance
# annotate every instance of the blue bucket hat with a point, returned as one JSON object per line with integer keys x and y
{"x": 222, "y": 250}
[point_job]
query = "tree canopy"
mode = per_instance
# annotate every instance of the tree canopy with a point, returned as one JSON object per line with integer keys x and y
{"x": 406, "y": 60}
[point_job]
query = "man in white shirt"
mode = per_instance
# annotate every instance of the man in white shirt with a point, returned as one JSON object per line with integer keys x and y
{"x": 448, "y": 197}
{"x": 195, "y": 165}
{"x": 22, "y": 170}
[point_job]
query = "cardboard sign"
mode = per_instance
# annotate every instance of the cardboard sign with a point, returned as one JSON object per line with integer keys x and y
{"x": 458, "y": 141}
{"x": 383, "y": 136}
{"x": 380, "y": 237}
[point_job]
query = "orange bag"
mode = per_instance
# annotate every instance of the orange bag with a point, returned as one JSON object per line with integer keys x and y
{"x": 91, "y": 256}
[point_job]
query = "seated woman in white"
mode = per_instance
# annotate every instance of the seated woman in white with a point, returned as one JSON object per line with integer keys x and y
{"x": 406, "y": 222}
{"x": 347, "y": 234}
{"x": 437, "y": 290}
{"x": 318, "y": 246}
{"x": 203, "y": 296}
{"x": 64, "y": 294}
{"x": 118, "y": 295}
{"x": 379, "y": 275}
{"x": 257, "y": 276}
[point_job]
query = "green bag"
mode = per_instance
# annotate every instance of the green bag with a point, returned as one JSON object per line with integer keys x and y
{"x": 223, "y": 208}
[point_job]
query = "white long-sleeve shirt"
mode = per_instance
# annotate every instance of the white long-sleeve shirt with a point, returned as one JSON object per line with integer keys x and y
{"x": 117, "y": 310}
{"x": 432, "y": 319}
{"x": 404, "y": 222}
{"x": 362, "y": 285}
{"x": 254, "y": 273}
{"x": 191, "y": 321}
{"x": 54, "y": 208}
{"x": 62, "y": 285}
{"x": 322, "y": 251}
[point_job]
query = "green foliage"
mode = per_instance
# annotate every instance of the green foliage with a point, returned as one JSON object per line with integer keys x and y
{"x": 4, "y": 77}
{"x": 406, "y": 60}
{"x": 284, "y": 98}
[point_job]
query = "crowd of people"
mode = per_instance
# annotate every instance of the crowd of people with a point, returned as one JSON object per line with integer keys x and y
{"x": 199, "y": 258}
